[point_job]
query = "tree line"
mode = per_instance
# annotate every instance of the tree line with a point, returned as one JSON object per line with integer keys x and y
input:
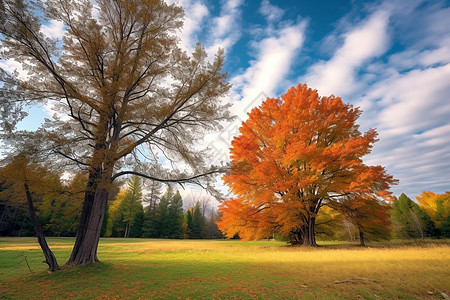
{"x": 136, "y": 211}
{"x": 145, "y": 211}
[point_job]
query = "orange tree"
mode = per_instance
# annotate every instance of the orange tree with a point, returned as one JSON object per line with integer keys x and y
{"x": 293, "y": 155}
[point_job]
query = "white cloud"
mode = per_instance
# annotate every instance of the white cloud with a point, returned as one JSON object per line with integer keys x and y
{"x": 264, "y": 77}
{"x": 412, "y": 114}
{"x": 271, "y": 12}
{"x": 272, "y": 64}
{"x": 54, "y": 30}
{"x": 195, "y": 14}
{"x": 225, "y": 30}
{"x": 338, "y": 75}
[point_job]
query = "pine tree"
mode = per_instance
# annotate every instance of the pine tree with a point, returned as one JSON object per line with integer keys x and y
{"x": 197, "y": 222}
{"x": 131, "y": 204}
{"x": 175, "y": 216}
{"x": 187, "y": 224}
{"x": 162, "y": 223}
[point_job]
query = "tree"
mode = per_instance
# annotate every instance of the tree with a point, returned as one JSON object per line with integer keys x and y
{"x": 131, "y": 204}
{"x": 25, "y": 181}
{"x": 292, "y": 156}
{"x": 409, "y": 220}
{"x": 151, "y": 201}
{"x": 371, "y": 217}
{"x": 163, "y": 222}
{"x": 187, "y": 224}
{"x": 437, "y": 206}
{"x": 126, "y": 212}
{"x": 175, "y": 216}
{"x": 196, "y": 229}
{"x": 124, "y": 83}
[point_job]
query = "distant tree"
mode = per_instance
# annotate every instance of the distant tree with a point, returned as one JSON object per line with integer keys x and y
{"x": 60, "y": 214}
{"x": 175, "y": 216}
{"x": 409, "y": 220}
{"x": 131, "y": 204}
{"x": 197, "y": 222}
{"x": 151, "y": 202}
{"x": 138, "y": 223}
{"x": 437, "y": 206}
{"x": 330, "y": 224}
{"x": 187, "y": 225}
{"x": 126, "y": 86}
{"x": 370, "y": 216}
{"x": 114, "y": 226}
{"x": 163, "y": 221}
{"x": 150, "y": 222}
{"x": 211, "y": 230}
{"x": 126, "y": 212}
{"x": 293, "y": 155}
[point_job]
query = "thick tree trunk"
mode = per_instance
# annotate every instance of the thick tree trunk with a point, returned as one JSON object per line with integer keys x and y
{"x": 309, "y": 236}
{"x": 50, "y": 259}
{"x": 85, "y": 249}
{"x": 305, "y": 234}
{"x": 88, "y": 233}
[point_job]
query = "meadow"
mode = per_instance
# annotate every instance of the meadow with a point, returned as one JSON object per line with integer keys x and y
{"x": 224, "y": 269}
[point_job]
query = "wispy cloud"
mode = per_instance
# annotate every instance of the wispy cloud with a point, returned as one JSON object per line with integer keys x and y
{"x": 362, "y": 43}
{"x": 408, "y": 101}
{"x": 274, "y": 55}
{"x": 196, "y": 12}
{"x": 225, "y": 29}
{"x": 271, "y": 12}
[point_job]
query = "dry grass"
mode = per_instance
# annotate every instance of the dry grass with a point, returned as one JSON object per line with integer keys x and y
{"x": 140, "y": 268}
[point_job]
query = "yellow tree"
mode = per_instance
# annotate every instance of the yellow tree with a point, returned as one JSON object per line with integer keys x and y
{"x": 437, "y": 206}
{"x": 129, "y": 90}
{"x": 25, "y": 181}
{"x": 293, "y": 155}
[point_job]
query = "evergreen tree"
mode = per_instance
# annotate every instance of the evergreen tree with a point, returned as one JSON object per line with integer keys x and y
{"x": 409, "y": 220}
{"x": 131, "y": 204}
{"x": 175, "y": 216}
{"x": 162, "y": 221}
{"x": 187, "y": 224}
{"x": 138, "y": 222}
{"x": 150, "y": 223}
{"x": 125, "y": 210}
{"x": 197, "y": 222}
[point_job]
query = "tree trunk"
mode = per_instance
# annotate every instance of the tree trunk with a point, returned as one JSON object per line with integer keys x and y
{"x": 88, "y": 233}
{"x": 50, "y": 259}
{"x": 305, "y": 234}
{"x": 361, "y": 238}
{"x": 309, "y": 236}
{"x": 127, "y": 230}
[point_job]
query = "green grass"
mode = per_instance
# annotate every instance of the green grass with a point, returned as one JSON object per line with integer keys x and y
{"x": 174, "y": 269}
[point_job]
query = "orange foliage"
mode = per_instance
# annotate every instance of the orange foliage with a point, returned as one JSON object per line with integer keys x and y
{"x": 292, "y": 156}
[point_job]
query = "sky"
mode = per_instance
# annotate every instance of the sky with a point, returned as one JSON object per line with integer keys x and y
{"x": 390, "y": 58}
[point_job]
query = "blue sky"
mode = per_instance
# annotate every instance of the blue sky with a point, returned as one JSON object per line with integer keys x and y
{"x": 391, "y": 58}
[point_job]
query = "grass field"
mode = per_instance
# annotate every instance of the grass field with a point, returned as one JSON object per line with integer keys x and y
{"x": 189, "y": 269}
